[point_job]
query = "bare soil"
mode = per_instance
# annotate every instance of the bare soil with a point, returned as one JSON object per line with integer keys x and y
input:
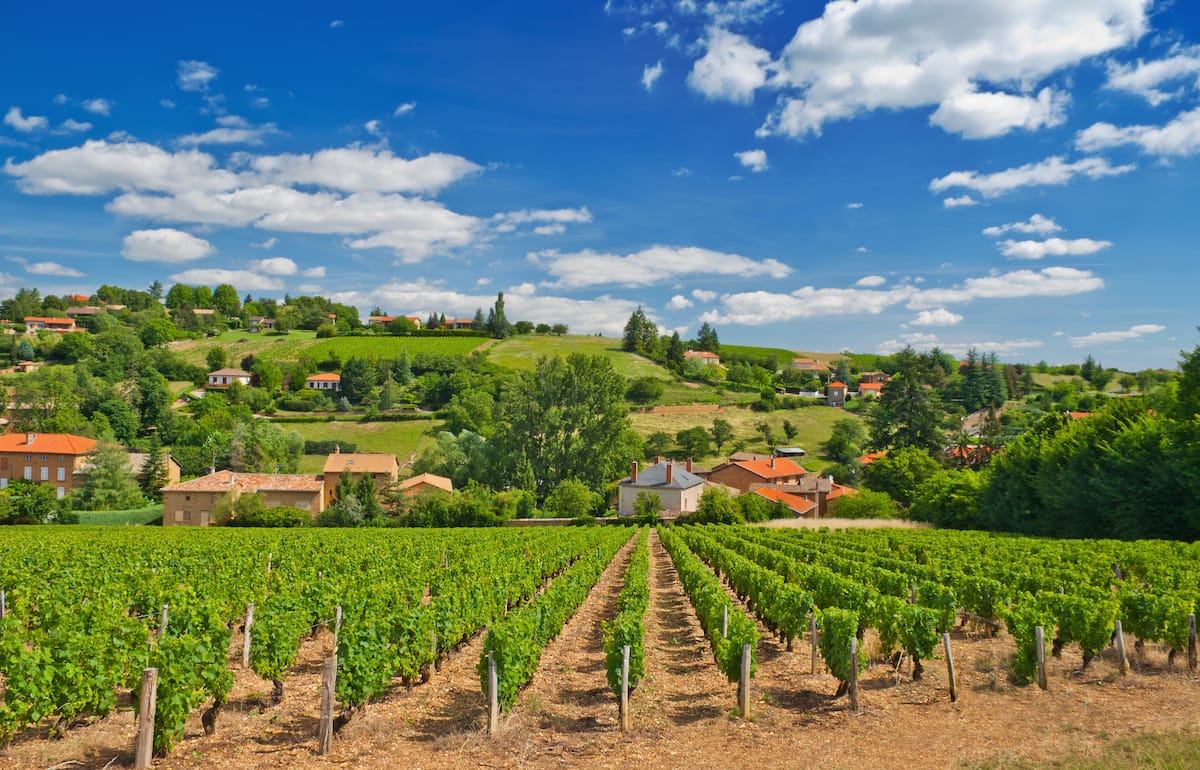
{"x": 683, "y": 712}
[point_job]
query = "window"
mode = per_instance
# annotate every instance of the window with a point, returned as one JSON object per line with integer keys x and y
{"x": 29, "y": 473}
{"x": 62, "y": 474}
{"x": 45, "y": 473}
{"x": 45, "y": 458}
{"x": 27, "y": 457}
{"x": 62, "y": 491}
{"x": 3, "y": 482}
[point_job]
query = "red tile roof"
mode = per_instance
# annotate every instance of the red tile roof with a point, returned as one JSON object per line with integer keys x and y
{"x": 801, "y": 505}
{"x": 47, "y": 443}
{"x": 324, "y": 377}
{"x": 49, "y": 321}
{"x": 361, "y": 462}
{"x": 772, "y": 468}
{"x": 867, "y": 459}
{"x": 870, "y": 386}
{"x": 224, "y": 481}
{"x": 701, "y": 354}
{"x": 837, "y": 384}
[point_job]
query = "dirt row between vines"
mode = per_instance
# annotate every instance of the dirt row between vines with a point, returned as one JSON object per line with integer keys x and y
{"x": 683, "y": 711}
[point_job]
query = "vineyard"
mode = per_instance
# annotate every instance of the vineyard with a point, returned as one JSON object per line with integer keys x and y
{"x": 239, "y": 623}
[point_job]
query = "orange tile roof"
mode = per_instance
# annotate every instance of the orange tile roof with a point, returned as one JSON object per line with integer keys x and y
{"x": 871, "y": 457}
{"x": 801, "y": 505}
{"x": 47, "y": 443}
{"x": 429, "y": 480}
{"x": 225, "y": 481}
{"x": 870, "y": 386}
{"x": 837, "y": 384}
{"x": 56, "y": 321}
{"x": 700, "y": 354}
{"x": 360, "y": 462}
{"x": 837, "y": 490}
{"x": 324, "y": 377}
{"x": 772, "y": 468}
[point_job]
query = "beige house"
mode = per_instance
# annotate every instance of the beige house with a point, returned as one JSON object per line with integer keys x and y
{"x": 38, "y": 323}
{"x": 678, "y": 489}
{"x": 703, "y": 356}
{"x": 192, "y": 502}
{"x": 382, "y": 467}
{"x": 324, "y": 381}
{"x": 223, "y": 378}
{"x": 426, "y": 482}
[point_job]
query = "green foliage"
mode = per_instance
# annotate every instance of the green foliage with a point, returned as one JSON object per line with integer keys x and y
{"x": 645, "y": 390}
{"x": 647, "y": 505}
{"x": 867, "y": 504}
{"x": 571, "y": 498}
{"x": 908, "y": 413}
{"x": 722, "y": 432}
{"x": 845, "y": 442}
{"x": 215, "y": 358}
{"x": 628, "y": 627}
{"x": 716, "y": 507}
{"x": 109, "y": 484}
{"x": 837, "y": 627}
{"x": 694, "y": 442}
{"x": 900, "y": 473}
{"x": 949, "y": 498}
{"x": 279, "y": 516}
{"x": 30, "y": 502}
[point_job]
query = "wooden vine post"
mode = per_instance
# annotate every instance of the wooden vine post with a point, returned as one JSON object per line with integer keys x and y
{"x": 1119, "y": 638}
{"x": 950, "y": 668}
{"x": 624, "y": 688}
{"x": 143, "y": 747}
{"x": 246, "y": 636}
{"x": 337, "y": 625}
{"x": 725, "y": 621}
{"x": 1192, "y": 642}
{"x": 3, "y": 605}
{"x": 744, "y": 683}
{"x": 493, "y": 695}
{"x": 1039, "y": 639}
{"x": 328, "y": 690}
{"x": 162, "y": 623}
{"x": 853, "y": 689}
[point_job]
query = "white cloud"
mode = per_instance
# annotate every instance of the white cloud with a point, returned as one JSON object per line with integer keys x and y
{"x": 938, "y": 317}
{"x": 337, "y": 24}
{"x": 523, "y": 289}
{"x": 356, "y": 169}
{"x": 1048, "y": 282}
{"x": 1145, "y": 78}
{"x": 651, "y": 74}
{"x": 242, "y": 280}
{"x": 196, "y": 75}
{"x": 314, "y": 272}
{"x": 167, "y": 103}
{"x": 1036, "y": 225}
{"x": 309, "y": 288}
{"x": 1132, "y": 333}
{"x": 880, "y": 54}
{"x": 855, "y": 205}
{"x": 655, "y": 265}
{"x": 165, "y": 245}
{"x": 732, "y": 68}
{"x": 679, "y": 302}
{"x": 98, "y": 106}
{"x": 681, "y": 171}
{"x": 274, "y": 266}
{"x": 72, "y": 126}
{"x": 374, "y": 127}
{"x": 977, "y": 115}
{"x": 233, "y": 130}
{"x": 260, "y": 102}
{"x": 703, "y": 295}
{"x": 555, "y": 229}
{"x": 923, "y": 341}
{"x": 404, "y": 109}
{"x": 1053, "y": 247}
{"x": 959, "y": 202}
{"x": 871, "y": 281}
{"x": 1051, "y": 171}
{"x": 267, "y": 244}
{"x": 553, "y": 221}
{"x": 604, "y": 314}
{"x": 52, "y": 268}
{"x": 26, "y": 125}
{"x": 482, "y": 281}
{"x": 755, "y": 160}
{"x": 61, "y": 99}
{"x": 97, "y": 167}
{"x": 1179, "y": 137}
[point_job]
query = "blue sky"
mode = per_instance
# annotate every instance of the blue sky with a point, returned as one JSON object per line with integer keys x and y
{"x": 1016, "y": 176}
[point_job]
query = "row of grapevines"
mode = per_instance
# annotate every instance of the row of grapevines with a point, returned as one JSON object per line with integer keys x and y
{"x": 517, "y": 641}
{"x": 712, "y": 604}
{"x": 628, "y": 628}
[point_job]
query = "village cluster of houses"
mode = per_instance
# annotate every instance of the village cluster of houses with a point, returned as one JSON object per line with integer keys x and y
{"x": 776, "y": 479}
{"x": 61, "y": 460}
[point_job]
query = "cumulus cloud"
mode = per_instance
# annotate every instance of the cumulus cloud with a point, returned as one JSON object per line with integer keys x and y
{"x": 555, "y": 229}
{"x": 938, "y": 317}
{"x": 46, "y": 268}
{"x": 193, "y": 75}
{"x": 871, "y": 281}
{"x": 165, "y": 245}
{"x": 755, "y": 160}
{"x": 679, "y": 302}
{"x": 267, "y": 244}
{"x": 1146, "y": 78}
{"x": 231, "y": 129}
{"x": 604, "y": 314}
{"x": 314, "y": 272}
{"x": 98, "y": 167}
{"x": 274, "y": 266}
{"x": 1051, "y": 171}
{"x": 1051, "y": 247}
{"x": 1036, "y": 225}
{"x": 855, "y": 205}
{"x": 651, "y": 74}
{"x": 72, "y": 126}
{"x": 959, "y": 202}
{"x": 404, "y": 109}
{"x": 549, "y": 221}
{"x": 98, "y": 106}
{"x": 356, "y": 169}
{"x": 732, "y": 67}
{"x": 1132, "y": 333}
{"x": 25, "y": 124}
{"x": 652, "y": 266}
{"x": 681, "y": 171}
{"x": 1048, "y": 282}
{"x": 879, "y": 54}
{"x": 374, "y": 128}
{"x": 1177, "y": 138}
{"x": 242, "y": 280}
{"x": 704, "y": 295}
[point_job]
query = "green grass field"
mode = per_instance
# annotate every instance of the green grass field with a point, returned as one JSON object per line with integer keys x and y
{"x": 402, "y": 439}
{"x": 289, "y": 347}
{"x": 523, "y": 352}
{"x": 813, "y": 427}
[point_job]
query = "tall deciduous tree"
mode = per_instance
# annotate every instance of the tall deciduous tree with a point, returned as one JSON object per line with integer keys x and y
{"x": 109, "y": 484}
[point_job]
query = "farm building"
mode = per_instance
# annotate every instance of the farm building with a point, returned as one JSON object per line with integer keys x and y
{"x": 192, "y": 502}
{"x": 677, "y": 488}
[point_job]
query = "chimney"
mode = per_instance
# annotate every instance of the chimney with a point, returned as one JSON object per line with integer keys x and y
{"x": 670, "y": 472}
{"x": 689, "y": 465}
{"x": 30, "y": 438}
{"x": 657, "y": 459}
{"x": 772, "y": 463}
{"x": 337, "y": 449}
{"x": 633, "y": 469}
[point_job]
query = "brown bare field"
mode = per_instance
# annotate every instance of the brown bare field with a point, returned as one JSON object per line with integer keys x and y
{"x": 683, "y": 712}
